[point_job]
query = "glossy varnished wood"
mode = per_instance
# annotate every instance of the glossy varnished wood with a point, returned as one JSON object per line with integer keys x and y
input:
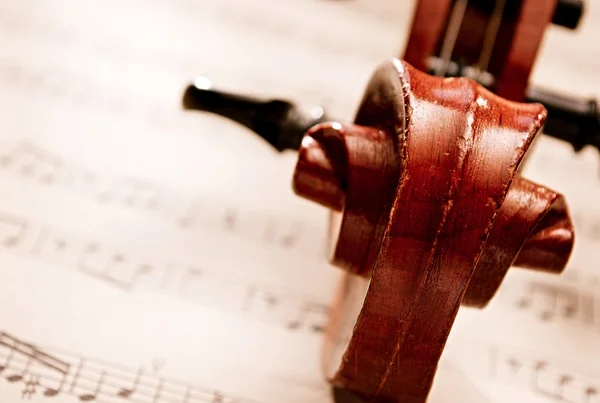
{"x": 515, "y": 48}
{"x": 533, "y": 20}
{"x": 425, "y": 31}
{"x": 429, "y": 209}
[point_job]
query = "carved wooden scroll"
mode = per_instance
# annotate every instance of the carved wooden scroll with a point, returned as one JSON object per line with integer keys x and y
{"x": 428, "y": 211}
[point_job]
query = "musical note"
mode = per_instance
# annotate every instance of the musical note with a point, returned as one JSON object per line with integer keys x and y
{"x": 139, "y": 271}
{"x": 514, "y": 365}
{"x": 77, "y": 375}
{"x": 132, "y": 193}
{"x": 590, "y": 393}
{"x": 548, "y": 295}
{"x": 8, "y": 359}
{"x": 12, "y": 231}
{"x": 30, "y": 388}
{"x": 128, "y": 392}
{"x": 158, "y": 391}
{"x": 31, "y": 161}
{"x": 552, "y": 302}
{"x": 86, "y": 397}
{"x": 85, "y": 179}
{"x": 17, "y": 348}
{"x": 93, "y": 380}
{"x": 193, "y": 283}
{"x": 295, "y": 314}
{"x": 129, "y": 271}
{"x": 267, "y": 300}
{"x": 24, "y": 372}
{"x": 93, "y": 261}
{"x": 557, "y": 385}
{"x": 287, "y": 239}
{"x": 57, "y": 366}
{"x": 310, "y": 316}
{"x": 564, "y": 382}
{"x": 547, "y": 377}
{"x": 290, "y": 238}
{"x": 539, "y": 367}
{"x": 33, "y": 356}
{"x": 189, "y": 217}
{"x": 51, "y": 246}
{"x": 51, "y": 392}
{"x": 110, "y": 267}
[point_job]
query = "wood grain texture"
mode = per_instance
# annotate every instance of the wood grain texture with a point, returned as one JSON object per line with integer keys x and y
{"x": 533, "y": 20}
{"x": 515, "y": 47}
{"x": 431, "y": 211}
{"x": 427, "y": 26}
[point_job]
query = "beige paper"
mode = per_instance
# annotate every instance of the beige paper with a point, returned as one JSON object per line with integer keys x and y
{"x": 153, "y": 255}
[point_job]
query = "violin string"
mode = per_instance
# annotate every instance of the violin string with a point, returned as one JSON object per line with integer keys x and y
{"x": 490, "y": 37}
{"x": 456, "y": 19}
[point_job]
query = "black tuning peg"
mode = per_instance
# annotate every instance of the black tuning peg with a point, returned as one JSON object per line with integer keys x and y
{"x": 279, "y": 122}
{"x": 283, "y": 124}
{"x": 568, "y": 13}
{"x": 571, "y": 119}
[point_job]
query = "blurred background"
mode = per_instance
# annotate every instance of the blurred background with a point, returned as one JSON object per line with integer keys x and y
{"x": 153, "y": 254}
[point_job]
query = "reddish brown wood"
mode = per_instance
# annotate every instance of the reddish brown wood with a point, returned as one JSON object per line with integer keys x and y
{"x": 515, "y": 48}
{"x": 429, "y": 210}
{"x": 529, "y": 32}
{"x": 427, "y": 27}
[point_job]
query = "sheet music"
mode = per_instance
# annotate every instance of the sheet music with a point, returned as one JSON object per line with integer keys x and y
{"x": 149, "y": 254}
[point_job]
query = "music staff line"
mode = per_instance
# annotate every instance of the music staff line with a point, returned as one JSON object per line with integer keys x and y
{"x": 51, "y": 372}
{"x": 82, "y": 92}
{"x": 57, "y": 372}
{"x": 558, "y": 302}
{"x": 85, "y": 90}
{"x": 28, "y": 161}
{"x": 547, "y": 377}
{"x": 130, "y": 272}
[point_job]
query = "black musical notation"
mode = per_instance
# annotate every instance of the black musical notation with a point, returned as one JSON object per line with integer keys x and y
{"x": 553, "y": 379}
{"x": 130, "y": 271}
{"x": 551, "y": 302}
{"x": 193, "y": 281}
{"x": 31, "y": 162}
{"x": 198, "y": 283}
{"x": 50, "y": 373}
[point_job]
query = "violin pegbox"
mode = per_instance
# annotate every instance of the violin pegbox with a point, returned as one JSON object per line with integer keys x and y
{"x": 495, "y": 42}
{"x": 428, "y": 211}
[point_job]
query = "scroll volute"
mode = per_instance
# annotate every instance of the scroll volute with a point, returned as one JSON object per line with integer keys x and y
{"x": 428, "y": 212}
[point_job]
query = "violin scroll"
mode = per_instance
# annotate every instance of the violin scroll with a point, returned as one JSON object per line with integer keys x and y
{"x": 428, "y": 213}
